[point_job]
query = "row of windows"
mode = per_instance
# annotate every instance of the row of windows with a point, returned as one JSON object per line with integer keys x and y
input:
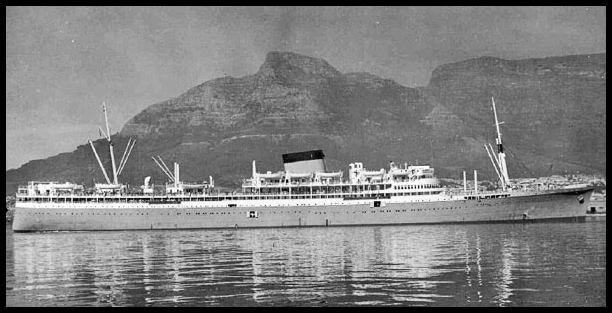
{"x": 486, "y": 197}
{"x": 416, "y": 186}
{"x": 239, "y": 212}
{"x": 87, "y": 213}
{"x": 228, "y": 198}
{"x": 251, "y": 204}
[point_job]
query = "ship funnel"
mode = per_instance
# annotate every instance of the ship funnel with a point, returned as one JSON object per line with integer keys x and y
{"x": 146, "y": 181}
{"x": 305, "y": 162}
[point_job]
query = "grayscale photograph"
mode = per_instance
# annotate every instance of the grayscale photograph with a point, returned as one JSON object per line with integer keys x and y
{"x": 286, "y": 156}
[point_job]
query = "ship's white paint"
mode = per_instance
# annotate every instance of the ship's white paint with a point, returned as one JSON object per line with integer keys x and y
{"x": 300, "y": 213}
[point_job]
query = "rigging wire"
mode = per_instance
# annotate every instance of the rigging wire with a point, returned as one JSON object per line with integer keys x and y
{"x": 519, "y": 161}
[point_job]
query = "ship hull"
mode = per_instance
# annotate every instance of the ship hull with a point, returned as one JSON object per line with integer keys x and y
{"x": 564, "y": 204}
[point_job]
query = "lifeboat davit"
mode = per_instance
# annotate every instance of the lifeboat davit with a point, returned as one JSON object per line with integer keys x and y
{"x": 290, "y": 175}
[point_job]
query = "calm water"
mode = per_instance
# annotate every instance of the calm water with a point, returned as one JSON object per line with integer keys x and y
{"x": 546, "y": 264}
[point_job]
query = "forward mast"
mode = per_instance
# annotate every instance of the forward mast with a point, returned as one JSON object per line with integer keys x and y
{"x": 117, "y": 170}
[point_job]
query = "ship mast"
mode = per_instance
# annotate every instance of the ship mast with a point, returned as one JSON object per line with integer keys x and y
{"x": 126, "y": 154}
{"x": 501, "y": 156}
{"x": 110, "y": 146}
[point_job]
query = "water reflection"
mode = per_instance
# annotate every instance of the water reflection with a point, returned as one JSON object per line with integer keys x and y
{"x": 489, "y": 265}
{"x": 503, "y": 286}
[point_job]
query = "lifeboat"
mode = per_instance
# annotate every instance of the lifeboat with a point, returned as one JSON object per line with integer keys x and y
{"x": 329, "y": 175}
{"x": 398, "y": 172}
{"x": 276, "y": 175}
{"x": 373, "y": 173}
{"x": 194, "y": 186}
{"x": 290, "y": 175}
{"x": 108, "y": 187}
{"x": 64, "y": 186}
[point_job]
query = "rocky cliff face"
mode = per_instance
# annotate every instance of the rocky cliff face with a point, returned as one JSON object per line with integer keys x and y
{"x": 554, "y": 111}
{"x": 553, "y": 108}
{"x": 292, "y": 103}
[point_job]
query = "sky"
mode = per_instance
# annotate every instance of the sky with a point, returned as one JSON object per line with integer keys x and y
{"x": 63, "y": 62}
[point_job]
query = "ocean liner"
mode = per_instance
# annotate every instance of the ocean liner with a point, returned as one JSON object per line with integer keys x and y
{"x": 304, "y": 194}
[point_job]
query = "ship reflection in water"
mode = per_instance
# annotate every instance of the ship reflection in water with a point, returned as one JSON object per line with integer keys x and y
{"x": 433, "y": 265}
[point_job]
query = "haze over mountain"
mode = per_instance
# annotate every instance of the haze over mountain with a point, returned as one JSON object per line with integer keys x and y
{"x": 553, "y": 109}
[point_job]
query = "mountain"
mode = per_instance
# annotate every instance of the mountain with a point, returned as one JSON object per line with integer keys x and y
{"x": 553, "y": 109}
